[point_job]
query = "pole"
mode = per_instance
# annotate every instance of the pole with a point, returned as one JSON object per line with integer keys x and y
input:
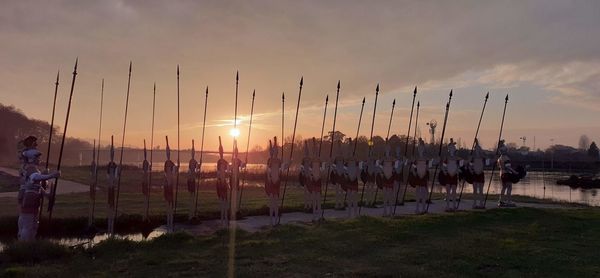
{"x": 337, "y": 95}
{"x": 406, "y": 150}
{"x": 282, "y": 123}
{"x": 370, "y": 144}
{"x": 323, "y": 125}
{"x": 473, "y": 146}
{"x": 201, "y": 149}
{"x": 497, "y": 151}
{"x": 178, "y": 148}
{"x": 287, "y": 174}
{"x": 356, "y": 137}
{"x": 62, "y": 144}
{"x": 247, "y": 149}
{"x": 440, "y": 150}
{"x": 151, "y": 152}
{"x": 50, "y": 138}
{"x": 95, "y": 184}
{"x": 120, "y": 170}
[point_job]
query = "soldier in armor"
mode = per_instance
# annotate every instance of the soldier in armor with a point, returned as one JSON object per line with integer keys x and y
{"x": 170, "y": 171}
{"x": 29, "y": 202}
{"x": 236, "y": 168}
{"x": 419, "y": 177}
{"x": 449, "y": 176}
{"x": 304, "y": 177}
{"x": 315, "y": 181}
{"x": 223, "y": 185}
{"x": 506, "y": 175}
{"x": 368, "y": 176}
{"x": 273, "y": 180}
{"x": 28, "y": 155}
{"x": 477, "y": 176}
{"x": 192, "y": 174}
{"x": 112, "y": 175}
{"x": 398, "y": 172}
{"x": 352, "y": 173}
{"x": 386, "y": 179}
{"x": 337, "y": 177}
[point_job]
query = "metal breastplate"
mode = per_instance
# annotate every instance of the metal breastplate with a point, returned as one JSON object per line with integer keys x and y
{"x": 421, "y": 168}
{"x": 452, "y": 167}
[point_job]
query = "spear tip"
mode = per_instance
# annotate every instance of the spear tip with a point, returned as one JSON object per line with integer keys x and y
{"x": 75, "y": 68}
{"x": 283, "y": 96}
{"x": 506, "y": 98}
{"x": 253, "y": 93}
{"x": 177, "y": 69}
{"x": 58, "y": 75}
{"x": 207, "y": 91}
{"x": 237, "y": 75}
{"x": 363, "y": 102}
{"x": 327, "y": 98}
{"x": 377, "y": 89}
{"x": 301, "y": 81}
{"x": 394, "y": 103}
{"x": 338, "y": 85}
{"x": 415, "y": 91}
{"x": 130, "y": 65}
{"x": 451, "y": 92}
{"x": 487, "y": 95}
{"x": 418, "y": 103}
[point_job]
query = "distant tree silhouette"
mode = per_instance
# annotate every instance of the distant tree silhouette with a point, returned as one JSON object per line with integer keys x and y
{"x": 593, "y": 151}
{"x": 584, "y": 142}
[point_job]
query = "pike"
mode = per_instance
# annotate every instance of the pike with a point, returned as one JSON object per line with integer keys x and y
{"x": 95, "y": 184}
{"x": 151, "y": 152}
{"x": 337, "y": 95}
{"x": 282, "y": 123}
{"x": 414, "y": 147}
{"x": 386, "y": 140}
{"x": 287, "y": 174}
{"x": 92, "y": 191}
{"x": 362, "y": 107}
{"x": 232, "y": 211}
{"x": 201, "y": 151}
{"x": 178, "y": 148}
{"x": 370, "y": 143}
{"x": 50, "y": 140}
{"x": 497, "y": 152}
{"x": 247, "y": 149}
{"x": 473, "y": 146}
{"x": 412, "y": 107}
{"x": 440, "y": 150}
{"x": 120, "y": 169}
{"x": 323, "y": 125}
{"x": 62, "y": 144}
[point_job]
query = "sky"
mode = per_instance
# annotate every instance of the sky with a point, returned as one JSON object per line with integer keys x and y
{"x": 544, "y": 54}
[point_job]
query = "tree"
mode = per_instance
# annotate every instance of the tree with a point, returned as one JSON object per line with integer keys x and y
{"x": 593, "y": 151}
{"x": 584, "y": 142}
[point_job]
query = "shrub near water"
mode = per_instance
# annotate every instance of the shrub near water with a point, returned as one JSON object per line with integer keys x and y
{"x": 34, "y": 252}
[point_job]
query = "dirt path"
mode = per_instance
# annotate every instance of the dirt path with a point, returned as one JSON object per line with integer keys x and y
{"x": 65, "y": 186}
{"x": 258, "y": 223}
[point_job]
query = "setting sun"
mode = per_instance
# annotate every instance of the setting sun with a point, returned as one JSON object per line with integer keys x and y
{"x": 234, "y": 132}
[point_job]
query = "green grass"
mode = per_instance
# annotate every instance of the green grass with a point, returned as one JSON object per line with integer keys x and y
{"x": 500, "y": 243}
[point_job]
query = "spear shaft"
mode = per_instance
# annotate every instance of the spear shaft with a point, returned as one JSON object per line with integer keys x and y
{"x": 370, "y": 144}
{"x": 201, "y": 150}
{"x": 95, "y": 184}
{"x": 473, "y": 146}
{"x": 497, "y": 152}
{"x": 247, "y": 149}
{"x": 356, "y": 138}
{"x": 178, "y": 148}
{"x": 62, "y": 144}
{"x": 323, "y": 125}
{"x": 287, "y": 175}
{"x": 440, "y": 150}
{"x": 337, "y": 95}
{"x": 120, "y": 169}
{"x": 151, "y": 152}
{"x": 233, "y": 154}
{"x": 50, "y": 137}
{"x": 406, "y": 152}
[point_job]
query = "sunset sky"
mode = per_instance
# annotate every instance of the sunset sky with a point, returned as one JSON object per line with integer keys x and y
{"x": 544, "y": 54}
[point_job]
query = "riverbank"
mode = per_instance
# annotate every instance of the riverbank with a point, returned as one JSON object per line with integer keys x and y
{"x": 506, "y": 243}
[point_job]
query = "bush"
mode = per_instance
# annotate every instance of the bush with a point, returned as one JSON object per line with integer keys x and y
{"x": 34, "y": 252}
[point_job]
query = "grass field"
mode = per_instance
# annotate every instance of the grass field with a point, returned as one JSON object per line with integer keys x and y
{"x": 500, "y": 243}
